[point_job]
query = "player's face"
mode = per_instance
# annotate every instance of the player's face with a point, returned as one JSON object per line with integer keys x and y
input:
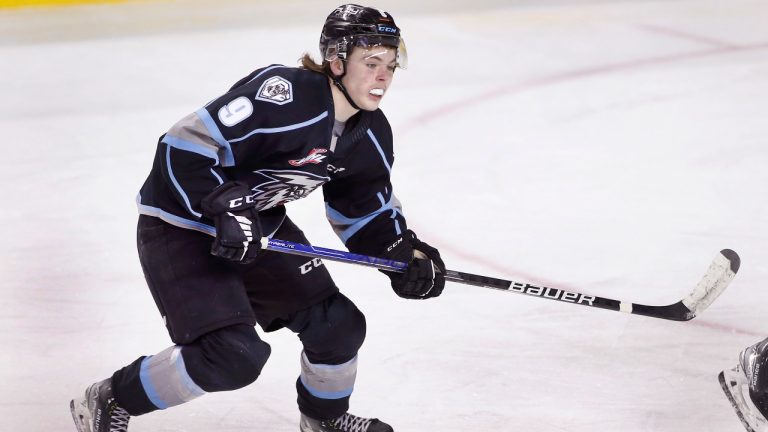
{"x": 369, "y": 74}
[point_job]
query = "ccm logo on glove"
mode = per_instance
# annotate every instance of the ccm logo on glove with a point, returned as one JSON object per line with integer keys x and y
{"x": 424, "y": 277}
{"x": 239, "y": 202}
{"x": 237, "y": 222}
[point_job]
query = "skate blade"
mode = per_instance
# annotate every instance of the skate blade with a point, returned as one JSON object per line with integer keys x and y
{"x": 729, "y": 386}
{"x": 80, "y": 415}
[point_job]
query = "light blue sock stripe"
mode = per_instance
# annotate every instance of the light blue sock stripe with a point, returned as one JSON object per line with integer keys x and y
{"x": 149, "y": 388}
{"x": 186, "y": 380}
{"x": 165, "y": 379}
{"x": 325, "y": 394}
{"x": 328, "y": 381}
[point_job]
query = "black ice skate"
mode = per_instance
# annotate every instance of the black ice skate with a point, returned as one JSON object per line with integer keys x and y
{"x": 97, "y": 410}
{"x": 345, "y": 423}
{"x": 740, "y": 385}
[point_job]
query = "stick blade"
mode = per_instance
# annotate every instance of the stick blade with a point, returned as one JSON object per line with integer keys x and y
{"x": 717, "y": 278}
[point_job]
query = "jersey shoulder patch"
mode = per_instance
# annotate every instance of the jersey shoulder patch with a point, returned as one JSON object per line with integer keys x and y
{"x": 276, "y": 90}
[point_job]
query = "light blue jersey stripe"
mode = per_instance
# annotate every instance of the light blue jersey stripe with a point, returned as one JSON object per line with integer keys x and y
{"x": 181, "y": 144}
{"x": 176, "y": 183}
{"x": 397, "y": 222}
{"x": 173, "y": 219}
{"x": 381, "y": 152}
{"x": 229, "y": 157}
{"x": 345, "y": 227}
{"x": 282, "y": 129}
{"x": 221, "y": 182}
{"x": 265, "y": 71}
{"x": 353, "y": 225}
{"x": 257, "y": 75}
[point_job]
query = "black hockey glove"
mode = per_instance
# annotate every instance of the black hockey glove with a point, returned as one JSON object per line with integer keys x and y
{"x": 425, "y": 276}
{"x": 238, "y": 233}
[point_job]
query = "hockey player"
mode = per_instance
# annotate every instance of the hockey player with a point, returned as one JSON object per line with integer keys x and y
{"x": 746, "y": 386}
{"x": 219, "y": 182}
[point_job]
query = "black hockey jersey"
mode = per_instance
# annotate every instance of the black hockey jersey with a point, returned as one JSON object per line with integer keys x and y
{"x": 273, "y": 130}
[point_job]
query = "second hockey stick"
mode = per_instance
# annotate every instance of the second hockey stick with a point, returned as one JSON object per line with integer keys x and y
{"x": 720, "y": 273}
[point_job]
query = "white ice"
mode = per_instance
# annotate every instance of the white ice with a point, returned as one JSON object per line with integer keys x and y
{"x": 606, "y": 147}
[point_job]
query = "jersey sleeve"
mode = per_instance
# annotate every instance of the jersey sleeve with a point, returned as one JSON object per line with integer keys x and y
{"x": 196, "y": 149}
{"x": 191, "y": 160}
{"x": 228, "y": 131}
{"x": 362, "y": 208}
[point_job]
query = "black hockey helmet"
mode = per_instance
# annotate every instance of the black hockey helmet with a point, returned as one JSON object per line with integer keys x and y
{"x": 352, "y": 25}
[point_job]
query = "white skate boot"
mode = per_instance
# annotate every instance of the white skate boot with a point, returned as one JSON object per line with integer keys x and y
{"x": 744, "y": 387}
{"x": 97, "y": 411}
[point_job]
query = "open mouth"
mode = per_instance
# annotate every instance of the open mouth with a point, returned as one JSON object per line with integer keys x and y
{"x": 377, "y": 92}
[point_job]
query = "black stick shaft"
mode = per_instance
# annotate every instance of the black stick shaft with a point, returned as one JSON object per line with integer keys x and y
{"x": 718, "y": 276}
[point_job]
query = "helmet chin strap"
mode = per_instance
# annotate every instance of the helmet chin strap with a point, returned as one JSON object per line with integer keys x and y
{"x": 337, "y": 81}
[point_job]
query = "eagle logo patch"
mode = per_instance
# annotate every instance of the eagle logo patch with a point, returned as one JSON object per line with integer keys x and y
{"x": 277, "y": 90}
{"x": 278, "y": 187}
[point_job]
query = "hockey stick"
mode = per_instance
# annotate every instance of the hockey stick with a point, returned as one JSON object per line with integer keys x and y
{"x": 720, "y": 273}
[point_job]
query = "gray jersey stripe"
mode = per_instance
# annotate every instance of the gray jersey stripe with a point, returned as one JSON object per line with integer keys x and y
{"x": 192, "y": 129}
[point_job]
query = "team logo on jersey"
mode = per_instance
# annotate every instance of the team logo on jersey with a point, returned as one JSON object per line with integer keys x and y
{"x": 315, "y": 157}
{"x": 282, "y": 186}
{"x": 277, "y": 90}
{"x": 346, "y": 11}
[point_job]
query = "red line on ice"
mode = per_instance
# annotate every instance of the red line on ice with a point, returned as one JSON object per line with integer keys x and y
{"x": 504, "y": 270}
{"x": 503, "y": 91}
{"x": 685, "y": 35}
{"x": 571, "y": 75}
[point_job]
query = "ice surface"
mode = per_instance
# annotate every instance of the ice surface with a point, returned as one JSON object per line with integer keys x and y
{"x": 604, "y": 147}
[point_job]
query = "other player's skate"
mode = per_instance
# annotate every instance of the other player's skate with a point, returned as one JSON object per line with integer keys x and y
{"x": 97, "y": 410}
{"x": 345, "y": 423}
{"x": 745, "y": 386}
